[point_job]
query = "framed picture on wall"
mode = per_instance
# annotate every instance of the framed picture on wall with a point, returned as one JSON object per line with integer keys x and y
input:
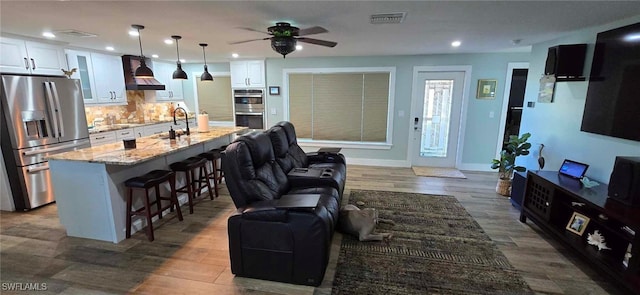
{"x": 487, "y": 88}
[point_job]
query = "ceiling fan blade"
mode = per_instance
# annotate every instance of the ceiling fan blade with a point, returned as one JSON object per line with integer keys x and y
{"x": 312, "y": 30}
{"x": 245, "y": 41}
{"x": 317, "y": 42}
{"x": 253, "y": 30}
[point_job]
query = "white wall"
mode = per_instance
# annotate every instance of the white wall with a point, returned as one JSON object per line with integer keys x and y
{"x": 557, "y": 124}
{"x": 481, "y": 131}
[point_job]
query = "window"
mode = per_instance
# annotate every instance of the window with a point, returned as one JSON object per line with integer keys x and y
{"x": 351, "y": 106}
{"x": 215, "y": 98}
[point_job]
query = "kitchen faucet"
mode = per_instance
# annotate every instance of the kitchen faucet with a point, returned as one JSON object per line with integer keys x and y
{"x": 186, "y": 118}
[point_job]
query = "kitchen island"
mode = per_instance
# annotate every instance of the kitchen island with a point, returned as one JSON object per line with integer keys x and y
{"x": 89, "y": 183}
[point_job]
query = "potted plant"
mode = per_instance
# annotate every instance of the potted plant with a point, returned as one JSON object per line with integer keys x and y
{"x": 516, "y": 146}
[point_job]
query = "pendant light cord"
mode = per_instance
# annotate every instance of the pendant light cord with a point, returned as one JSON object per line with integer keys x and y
{"x": 204, "y": 55}
{"x": 178, "y": 51}
{"x": 140, "y": 42}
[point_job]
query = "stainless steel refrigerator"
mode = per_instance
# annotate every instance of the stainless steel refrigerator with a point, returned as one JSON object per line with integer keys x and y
{"x": 41, "y": 116}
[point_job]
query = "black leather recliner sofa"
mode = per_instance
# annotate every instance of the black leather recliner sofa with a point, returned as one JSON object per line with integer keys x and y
{"x": 290, "y": 156}
{"x": 266, "y": 241}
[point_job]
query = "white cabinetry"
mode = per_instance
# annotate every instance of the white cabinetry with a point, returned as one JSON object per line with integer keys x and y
{"x": 247, "y": 73}
{"x": 101, "y": 76}
{"x": 102, "y": 138}
{"x": 28, "y": 57}
{"x": 163, "y": 72}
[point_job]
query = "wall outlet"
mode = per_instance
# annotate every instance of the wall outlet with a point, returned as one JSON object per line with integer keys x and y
{"x": 531, "y": 104}
{"x": 274, "y": 111}
{"x": 400, "y": 114}
{"x": 492, "y": 114}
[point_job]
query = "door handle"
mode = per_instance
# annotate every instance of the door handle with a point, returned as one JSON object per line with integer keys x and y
{"x": 33, "y": 63}
{"x": 38, "y": 169}
{"x": 26, "y": 63}
{"x": 58, "y": 107}
{"x": 52, "y": 108}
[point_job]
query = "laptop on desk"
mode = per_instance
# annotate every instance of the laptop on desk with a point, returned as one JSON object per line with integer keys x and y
{"x": 573, "y": 169}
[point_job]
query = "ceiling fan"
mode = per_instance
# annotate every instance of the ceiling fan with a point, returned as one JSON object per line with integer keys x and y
{"x": 284, "y": 37}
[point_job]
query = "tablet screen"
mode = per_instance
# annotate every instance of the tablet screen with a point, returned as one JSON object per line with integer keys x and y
{"x": 573, "y": 169}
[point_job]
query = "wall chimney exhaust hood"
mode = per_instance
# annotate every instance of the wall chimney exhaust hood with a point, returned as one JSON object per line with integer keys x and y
{"x": 130, "y": 63}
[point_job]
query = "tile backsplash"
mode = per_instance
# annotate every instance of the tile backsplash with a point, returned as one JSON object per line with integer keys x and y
{"x": 137, "y": 110}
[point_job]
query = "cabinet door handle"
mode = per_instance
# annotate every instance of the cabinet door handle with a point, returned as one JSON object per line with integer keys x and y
{"x": 124, "y": 133}
{"x": 170, "y": 93}
{"x": 139, "y": 134}
{"x": 33, "y": 63}
{"x": 101, "y": 137}
{"x": 26, "y": 63}
{"x": 248, "y": 81}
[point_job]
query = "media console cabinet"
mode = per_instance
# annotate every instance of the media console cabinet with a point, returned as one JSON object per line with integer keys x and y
{"x": 569, "y": 212}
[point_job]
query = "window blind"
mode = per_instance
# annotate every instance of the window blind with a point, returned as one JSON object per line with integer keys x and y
{"x": 215, "y": 98}
{"x": 340, "y": 106}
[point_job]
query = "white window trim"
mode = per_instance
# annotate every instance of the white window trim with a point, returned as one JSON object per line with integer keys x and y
{"x": 344, "y": 144}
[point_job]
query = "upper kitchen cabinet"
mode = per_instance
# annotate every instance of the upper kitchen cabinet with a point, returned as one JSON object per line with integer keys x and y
{"x": 101, "y": 76}
{"x": 247, "y": 73}
{"x": 28, "y": 57}
{"x": 163, "y": 72}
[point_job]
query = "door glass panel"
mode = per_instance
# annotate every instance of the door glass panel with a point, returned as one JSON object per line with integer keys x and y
{"x": 436, "y": 118}
{"x": 83, "y": 69}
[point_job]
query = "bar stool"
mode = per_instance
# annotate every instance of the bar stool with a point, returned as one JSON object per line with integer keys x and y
{"x": 189, "y": 167}
{"x": 213, "y": 156}
{"x": 147, "y": 181}
{"x": 220, "y": 170}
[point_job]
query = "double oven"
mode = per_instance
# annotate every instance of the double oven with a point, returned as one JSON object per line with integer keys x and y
{"x": 249, "y": 108}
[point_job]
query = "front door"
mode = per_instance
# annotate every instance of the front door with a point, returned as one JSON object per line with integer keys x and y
{"x": 436, "y": 121}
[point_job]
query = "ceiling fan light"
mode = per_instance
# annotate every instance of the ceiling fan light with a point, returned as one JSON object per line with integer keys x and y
{"x": 283, "y": 45}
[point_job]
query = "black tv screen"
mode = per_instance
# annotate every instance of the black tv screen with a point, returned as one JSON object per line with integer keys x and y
{"x": 612, "y": 106}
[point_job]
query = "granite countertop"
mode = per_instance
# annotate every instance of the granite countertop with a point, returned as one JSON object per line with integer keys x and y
{"x": 114, "y": 127}
{"x": 147, "y": 148}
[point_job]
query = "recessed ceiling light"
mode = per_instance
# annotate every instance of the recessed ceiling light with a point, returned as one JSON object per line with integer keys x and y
{"x": 133, "y": 33}
{"x": 110, "y": 48}
{"x": 183, "y": 60}
{"x": 234, "y": 55}
{"x": 298, "y": 47}
{"x": 155, "y": 56}
{"x": 48, "y": 35}
{"x": 456, "y": 43}
{"x": 168, "y": 41}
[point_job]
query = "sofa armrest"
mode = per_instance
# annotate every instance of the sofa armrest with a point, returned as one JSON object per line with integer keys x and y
{"x": 316, "y": 157}
{"x": 263, "y": 211}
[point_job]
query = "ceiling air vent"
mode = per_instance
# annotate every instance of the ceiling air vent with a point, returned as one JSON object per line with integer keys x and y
{"x": 76, "y": 33}
{"x": 388, "y": 18}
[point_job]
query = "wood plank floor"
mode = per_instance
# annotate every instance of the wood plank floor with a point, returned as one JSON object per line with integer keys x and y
{"x": 191, "y": 257}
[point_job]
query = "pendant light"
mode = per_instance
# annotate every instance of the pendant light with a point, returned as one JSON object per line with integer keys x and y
{"x": 142, "y": 71}
{"x": 205, "y": 76}
{"x": 178, "y": 74}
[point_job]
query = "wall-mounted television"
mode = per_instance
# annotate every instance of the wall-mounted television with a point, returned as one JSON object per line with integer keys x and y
{"x": 612, "y": 106}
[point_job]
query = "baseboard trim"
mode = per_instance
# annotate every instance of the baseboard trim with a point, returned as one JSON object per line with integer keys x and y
{"x": 377, "y": 162}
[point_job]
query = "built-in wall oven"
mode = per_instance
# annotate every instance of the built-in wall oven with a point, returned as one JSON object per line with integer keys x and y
{"x": 249, "y": 105}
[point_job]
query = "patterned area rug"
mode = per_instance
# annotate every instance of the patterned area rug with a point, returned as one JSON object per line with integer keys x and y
{"x": 437, "y": 248}
{"x": 438, "y": 172}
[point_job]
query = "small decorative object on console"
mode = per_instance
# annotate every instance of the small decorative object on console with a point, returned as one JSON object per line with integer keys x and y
{"x": 627, "y": 256}
{"x": 597, "y": 239}
{"x": 578, "y": 223}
